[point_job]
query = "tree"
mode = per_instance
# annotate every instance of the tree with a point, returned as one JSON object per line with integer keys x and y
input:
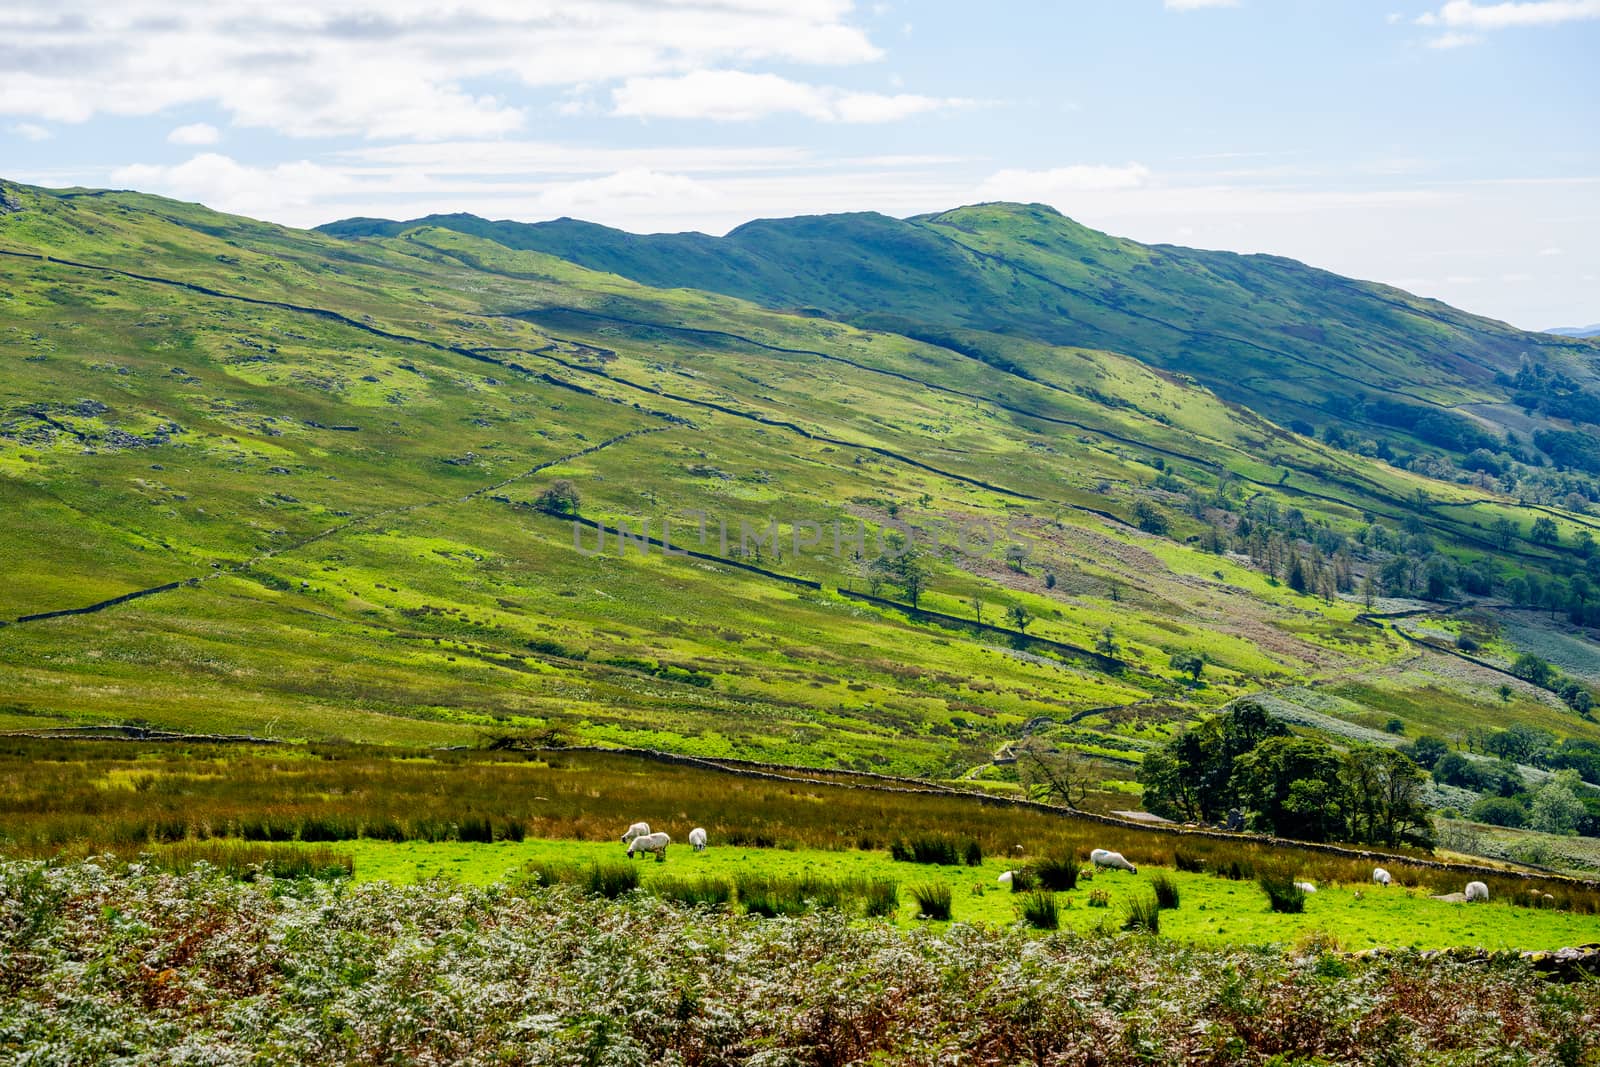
{"x": 559, "y": 498}
{"x": 1292, "y": 787}
{"x": 1521, "y": 743}
{"x": 1106, "y": 644}
{"x": 1018, "y": 616}
{"x": 1504, "y": 531}
{"x": 1190, "y": 663}
{"x": 1505, "y": 692}
{"x": 1386, "y": 797}
{"x": 1532, "y": 669}
{"x": 1050, "y": 774}
{"x": 1500, "y": 811}
{"x": 1149, "y": 518}
{"x": 976, "y": 604}
{"x": 1049, "y": 579}
{"x": 1556, "y": 808}
{"x": 1544, "y": 531}
{"x": 1017, "y": 557}
{"x": 1426, "y": 750}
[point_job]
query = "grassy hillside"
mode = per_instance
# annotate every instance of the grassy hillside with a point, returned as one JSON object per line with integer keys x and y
{"x": 1287, "y": 339}
{"x": 319, "y": 461}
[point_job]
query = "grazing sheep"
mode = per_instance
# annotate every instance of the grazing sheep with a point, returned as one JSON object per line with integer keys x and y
{"x": 1380, "y": 876}
{"x": 1104, "y": 858}
{"x": 1005, "y": 879}
{"x": 697, "y": 838}
{"x": 1305, "y": 887}
{"x": 1477, "y": 891}
{"x": 638, "y": 829}
{"x": 656, "y": 842}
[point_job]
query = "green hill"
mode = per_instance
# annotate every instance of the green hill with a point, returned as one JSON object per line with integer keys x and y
{"x": 284, "y": 483}
{"x": 1294, "y": 342}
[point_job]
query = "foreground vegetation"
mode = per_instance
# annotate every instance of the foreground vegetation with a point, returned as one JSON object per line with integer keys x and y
{"x": 143, "y": 966}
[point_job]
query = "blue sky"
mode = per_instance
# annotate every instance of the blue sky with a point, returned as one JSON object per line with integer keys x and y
{"x": 1447, "y": 146}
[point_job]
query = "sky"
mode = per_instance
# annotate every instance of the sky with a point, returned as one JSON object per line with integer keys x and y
{"x": 1451, "y": 147}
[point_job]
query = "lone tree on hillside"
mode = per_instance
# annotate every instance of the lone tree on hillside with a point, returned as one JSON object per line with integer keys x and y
{"x": 560, "y": 498}
{"x": 1047, "y": 773}
{"x": 1191, "y": 663}
{"x": 1019, "y": 617}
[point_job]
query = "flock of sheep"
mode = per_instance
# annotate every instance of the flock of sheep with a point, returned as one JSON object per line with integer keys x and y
{"x": 640, "y": 840}
{"x": 1116, "y": 861}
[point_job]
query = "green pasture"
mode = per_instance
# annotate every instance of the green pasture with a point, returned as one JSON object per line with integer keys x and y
{"x": 1213, "y": 911}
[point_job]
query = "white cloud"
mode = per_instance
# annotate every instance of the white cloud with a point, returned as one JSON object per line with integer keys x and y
{"x": 733, "y": 96}
{"x": 195, "y": 133}
{"x": 1196, "y": 5}
{"x": 31, "y": 131}
{"x": 1049, "y": 185}
{"x": 1552, "y": 251}
{"x": 1467, "y": 14}
{"x": 220, "y": 182}
{"x": 1454, "y": 40}
{"x": 410, "y": 69}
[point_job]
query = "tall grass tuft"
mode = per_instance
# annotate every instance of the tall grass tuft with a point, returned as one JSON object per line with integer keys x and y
{"x": 1039, "y": 911}
{"x": 1166, "y": 890}
{"x": 709, "y": 891}
{"x": 1237, "y": 870}
{"x": 882, "y": 898}
{"x": 1023, "y": 880}
{"x": 1144, "y": 915}
{"x": 611, "y": 879}
{"x": 1058, "y": 872}
{"x": 933, "y": 900}
{"x": 240, "y": 859}
{"x": 1188, "y": 862}
{"x": 942, "y": 851}
{"x": 1282, "y": 894}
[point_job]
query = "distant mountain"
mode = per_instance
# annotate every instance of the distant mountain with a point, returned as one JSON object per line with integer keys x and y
{"x": 1592, "y": 330}
{"x": 1305, "y": 346}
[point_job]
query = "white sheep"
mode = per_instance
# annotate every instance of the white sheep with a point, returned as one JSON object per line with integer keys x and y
{"x": 697, "y": 838}
{"x": 1477, "y": 891}
{"x": 1104, "y": 858}
{"x": 1005, "y": 879}
{"x": 656, "y": 842}
{"x": 638, "y": 829}
{"x": 1380, "y": 876}
{"x": 1305, "y": 887}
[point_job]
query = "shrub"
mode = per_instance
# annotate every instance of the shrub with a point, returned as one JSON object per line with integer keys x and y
{"x": 1059, "y": 872}
{"x": 1282, "y": 894}
{"x": 1144, "y": 915}
{"x": 973, "y": 854}
{"x": 1188, "y": 862}
{"x": 1166, "y": 890}
{"x": 610, "y": 880}
{"x": 933, "y": 900}
{"x": 1023, "y": 879}
{"x": 1039, "y": 911}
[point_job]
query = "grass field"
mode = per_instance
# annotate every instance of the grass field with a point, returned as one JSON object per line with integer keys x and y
{"x": 1213, "y": 910}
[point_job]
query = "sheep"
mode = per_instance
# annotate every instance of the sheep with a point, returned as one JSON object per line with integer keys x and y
{"x": 656, "y": 843}
{"x": 1380, "y": 876}
{"x": 638, "y": 829}
{"x": 1477, "y": 891}
{"x": 697, "y": 838}
{"x": 1104, "y": 858}
{"x": 1005, "y": 879}
{"x": 1305, "y": 887}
